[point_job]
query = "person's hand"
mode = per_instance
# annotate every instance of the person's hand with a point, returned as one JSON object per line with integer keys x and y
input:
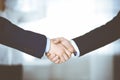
{"x": 58, "y": 53}
{"x": 66, "y": 43}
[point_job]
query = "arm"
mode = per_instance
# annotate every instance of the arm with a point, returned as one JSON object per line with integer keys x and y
{"x": 100, "y": 36}
{"x": 26, "y": 41}
{"x": 96, "y": 38}
{"x": 30, "y": 42}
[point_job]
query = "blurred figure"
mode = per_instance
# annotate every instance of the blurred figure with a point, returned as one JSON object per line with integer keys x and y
{"x": 2, "y": 6}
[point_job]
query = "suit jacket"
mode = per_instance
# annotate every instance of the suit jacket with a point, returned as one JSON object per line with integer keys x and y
{"x": 35, "y": 44}
{"x": 26, "y": 41}
{"x": 100, "y": 36}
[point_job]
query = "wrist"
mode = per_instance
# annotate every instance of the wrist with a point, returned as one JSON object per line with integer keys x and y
{"x": 77, "y": 53}
{"x": 48, "y": 44}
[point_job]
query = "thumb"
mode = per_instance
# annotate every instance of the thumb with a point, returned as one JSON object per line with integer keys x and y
{"x": 56, "y": 40}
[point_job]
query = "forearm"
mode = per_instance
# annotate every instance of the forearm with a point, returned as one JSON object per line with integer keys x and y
{"x": 99, "y": 37}
{"x": 26, "y": 41}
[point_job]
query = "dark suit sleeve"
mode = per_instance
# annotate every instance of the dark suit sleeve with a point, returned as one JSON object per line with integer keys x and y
{"x": 26, "y": 41}
{"x": 100, "y": 36}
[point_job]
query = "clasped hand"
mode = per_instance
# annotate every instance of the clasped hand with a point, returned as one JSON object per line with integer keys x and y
{"x": 60, "y": 50}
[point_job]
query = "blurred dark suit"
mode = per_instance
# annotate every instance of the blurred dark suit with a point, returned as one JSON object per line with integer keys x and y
{"x": 100, "y": 36}
{"x": 26, "y": 41}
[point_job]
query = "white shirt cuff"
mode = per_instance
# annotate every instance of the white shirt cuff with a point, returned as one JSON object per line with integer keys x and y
{"x": 76, "y": 48}
{"x": 47, "y": 45}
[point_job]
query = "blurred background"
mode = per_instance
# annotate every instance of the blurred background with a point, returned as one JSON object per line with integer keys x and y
{"x": 61, "y": 18}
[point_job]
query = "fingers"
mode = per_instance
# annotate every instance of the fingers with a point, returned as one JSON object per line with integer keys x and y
{"x": 57, "y": 61}
{"x": 67, "y": 45}
{"x": 68, "y": 53}
{"x": 56, "y": 58}
{"x": 56, "y": 40}
{"x": 50, "y": 56}
{"x": 53, "y": 58}
{"x": 58, "y": 53}
{"x": 63, "y": 57}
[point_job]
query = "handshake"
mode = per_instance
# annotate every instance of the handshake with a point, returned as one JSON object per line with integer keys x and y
{"x": 60, "y": 50}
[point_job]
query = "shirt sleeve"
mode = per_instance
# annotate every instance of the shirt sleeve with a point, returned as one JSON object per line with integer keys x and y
{"x": 47, "y": 45}
{"x": 76, "y": 48}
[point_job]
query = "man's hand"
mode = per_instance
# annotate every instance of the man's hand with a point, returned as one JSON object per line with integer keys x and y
{"x": 66, "y": 43}
{"x": 60, "y": 50}
{"x": 58, "y": 53}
